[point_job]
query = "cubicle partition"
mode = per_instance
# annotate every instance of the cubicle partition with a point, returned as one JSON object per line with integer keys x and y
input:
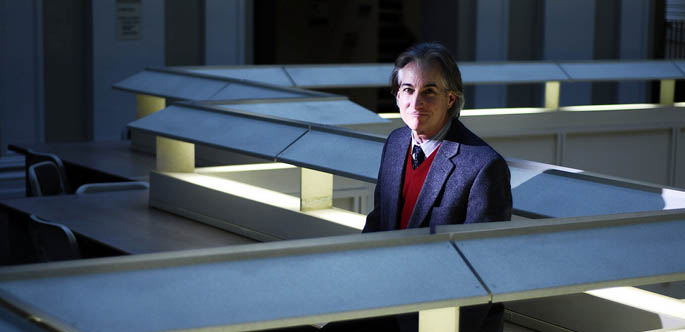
{"x": 320, "y": 280}
{"x": 539, "y": 190}
{"x": 589, "y": 137}
{"x": 326, "y": 150}
{"x": 286, "y": 81}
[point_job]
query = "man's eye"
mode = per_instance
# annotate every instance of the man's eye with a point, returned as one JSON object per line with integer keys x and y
{"x": 407, "y": 90}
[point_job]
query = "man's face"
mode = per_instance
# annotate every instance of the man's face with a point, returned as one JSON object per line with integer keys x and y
{"x": 423, "y": 99}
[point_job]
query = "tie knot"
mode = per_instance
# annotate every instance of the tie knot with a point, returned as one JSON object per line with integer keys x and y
{"x": 417, "y": 156}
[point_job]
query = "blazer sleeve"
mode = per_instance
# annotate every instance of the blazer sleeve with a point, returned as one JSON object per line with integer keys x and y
{"x": 490, "y": 196}
{"x": 373, "y": 220}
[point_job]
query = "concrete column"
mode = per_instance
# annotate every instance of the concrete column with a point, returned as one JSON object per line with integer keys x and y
{"x": 492, "y": 23}
{"x": 526, "y": 25}
{"x": 435, "y": 29}
{"x": 569, "y": 35}
{"x": 228, "y": 32}
{"x": 634, "y": 44}
{"x": 459, "y": 36}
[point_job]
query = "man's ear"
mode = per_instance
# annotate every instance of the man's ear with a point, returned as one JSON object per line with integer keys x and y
{"x": 452, "y": 98}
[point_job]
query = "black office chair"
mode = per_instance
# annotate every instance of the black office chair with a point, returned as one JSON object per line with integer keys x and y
{"x": 52, "y": 241}
{"x": 45, "y": 179}
{"x": 34, "y": 157}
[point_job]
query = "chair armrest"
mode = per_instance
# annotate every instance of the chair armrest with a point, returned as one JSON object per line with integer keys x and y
{"x": 90, "y": 188}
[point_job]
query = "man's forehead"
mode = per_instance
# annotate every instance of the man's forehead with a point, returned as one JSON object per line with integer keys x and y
{"x": 423, "y": 73}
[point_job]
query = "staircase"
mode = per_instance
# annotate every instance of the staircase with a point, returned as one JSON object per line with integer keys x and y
{"x": 12, "y": 181}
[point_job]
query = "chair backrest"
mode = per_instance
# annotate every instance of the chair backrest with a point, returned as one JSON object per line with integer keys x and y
{"x": 52, "y": 241}
{"x": 33, "y": 158}
{"x": 45, "y": 179}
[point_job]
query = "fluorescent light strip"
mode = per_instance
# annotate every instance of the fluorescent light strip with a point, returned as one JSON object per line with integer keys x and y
{"x": 241, "y": 189}
{"x": 533, "y": 110}
{"x": 504, "y": 111}
{"x": 389, "y": 115}
{"x": 673, "y": 199}
{"x": 273, "y": 198}
{"x": 243, "y": 168}
{"x": 484, "y": 111}
{"x": 612, "y": 107}
{"x": 642, "y": 299}
{"x": 340, "y": 216}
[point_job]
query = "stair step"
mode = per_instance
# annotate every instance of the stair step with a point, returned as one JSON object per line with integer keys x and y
{"x": 11, "y": 162}
{"x": 9, "y": 193}
{"x": 12, "y": 175}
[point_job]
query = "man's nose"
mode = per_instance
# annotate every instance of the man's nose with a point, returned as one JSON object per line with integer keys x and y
{"x": 418, "y": 101}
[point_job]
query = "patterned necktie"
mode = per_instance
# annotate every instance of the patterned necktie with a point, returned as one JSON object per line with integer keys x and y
{"x": 417, "y": 156}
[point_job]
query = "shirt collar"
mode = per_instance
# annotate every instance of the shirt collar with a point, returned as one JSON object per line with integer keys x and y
{"x": 429, "y": 145}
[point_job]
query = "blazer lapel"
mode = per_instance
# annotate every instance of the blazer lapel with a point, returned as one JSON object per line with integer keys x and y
{"x": 435, "y": 180}
{"x": 393, "y": 177}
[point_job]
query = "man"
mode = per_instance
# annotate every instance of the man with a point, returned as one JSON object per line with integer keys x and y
{"x": 435, "y": 171}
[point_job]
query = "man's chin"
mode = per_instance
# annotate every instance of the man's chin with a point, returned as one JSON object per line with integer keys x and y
{"x": 413, "y": 124}
{"x": 414, "y": 128}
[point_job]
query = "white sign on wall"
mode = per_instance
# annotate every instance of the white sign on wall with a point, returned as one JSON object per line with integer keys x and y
{"x": 129, "y": 17}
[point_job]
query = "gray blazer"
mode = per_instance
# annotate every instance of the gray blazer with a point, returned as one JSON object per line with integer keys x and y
{"x": 468, "y": 182}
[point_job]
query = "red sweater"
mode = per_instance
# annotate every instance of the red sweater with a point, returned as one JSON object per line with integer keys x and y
{"x": 413, "y": 181}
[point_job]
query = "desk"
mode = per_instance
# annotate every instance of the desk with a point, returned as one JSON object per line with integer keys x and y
{"x": 122, "y": 220}
{"x": 112, "y": 157}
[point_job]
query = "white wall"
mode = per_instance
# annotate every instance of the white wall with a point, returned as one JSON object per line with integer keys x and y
{"x": 114, "y": 60}
{"x": 21, "y": 65}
